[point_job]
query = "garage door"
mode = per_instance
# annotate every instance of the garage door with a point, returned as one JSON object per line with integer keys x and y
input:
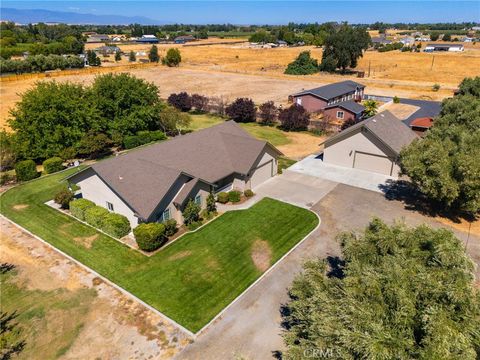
{"x": 372, "y": 162}
{"x": 261, "y": 174}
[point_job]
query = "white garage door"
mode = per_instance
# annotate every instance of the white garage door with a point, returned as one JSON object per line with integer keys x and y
{"x": 372, "y": 162}
{"x": 261, "y": 174}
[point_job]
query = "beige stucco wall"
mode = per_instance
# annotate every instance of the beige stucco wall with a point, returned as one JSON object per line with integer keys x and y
{"x": 94, "y": 189}
{"x": 268, "y": 156}
{"x": 342, "y": 153}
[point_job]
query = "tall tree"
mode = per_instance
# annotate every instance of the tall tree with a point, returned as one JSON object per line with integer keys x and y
{"x": 304, "y": 64}
{"x": 344, "y": 47}
{"x": 397, "y": 293}
{"x": 132, "y": 57}
{"x": 173, "y": 57}
{"x": 153, "y": 54}
{"x": 93, "y": 59}
{"x": 445, "y": 165}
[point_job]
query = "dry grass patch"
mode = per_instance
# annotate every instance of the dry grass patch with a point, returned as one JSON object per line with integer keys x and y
{"x": 261, "y": 255}
{"x": 20, "y": 207}
{"x": 180, "y": 255}
{"x": 86, "y": 241}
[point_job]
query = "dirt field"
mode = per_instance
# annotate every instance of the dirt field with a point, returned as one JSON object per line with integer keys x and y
{"x": 68, "y": 313}
{"x": 238, "y": 70}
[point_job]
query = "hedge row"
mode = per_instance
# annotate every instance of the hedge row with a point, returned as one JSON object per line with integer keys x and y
{"x": 113, "y": 224}
{"x": 38, "y": 63}
{"x": 52, "y": 165}
{"x": 143, "y": 137}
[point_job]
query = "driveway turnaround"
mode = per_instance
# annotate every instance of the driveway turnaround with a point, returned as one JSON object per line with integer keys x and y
{"x": 313, "y": 165}
{"x": 251, "y": 328}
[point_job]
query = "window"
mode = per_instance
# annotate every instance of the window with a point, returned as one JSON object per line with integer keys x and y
{"x": 109, "y": 206}
{"x": 166, "y": 215}
{"x": 198, "y": 199}
{"x": 299, "y": 101}
{"x": 339, "y": 114}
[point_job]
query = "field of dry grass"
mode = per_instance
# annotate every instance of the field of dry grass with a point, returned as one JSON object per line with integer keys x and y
{"x": 234, "y": 70}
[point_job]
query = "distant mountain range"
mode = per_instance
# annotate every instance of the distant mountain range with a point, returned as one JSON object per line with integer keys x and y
{"x": 26, "y": 16}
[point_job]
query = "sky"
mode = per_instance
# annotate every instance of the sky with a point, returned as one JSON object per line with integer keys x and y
{"x": 269, "y": 12}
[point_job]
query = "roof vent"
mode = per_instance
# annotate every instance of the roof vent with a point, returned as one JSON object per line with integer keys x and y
{"x": 120, "y": 177}
{"x": 374, "y": 120}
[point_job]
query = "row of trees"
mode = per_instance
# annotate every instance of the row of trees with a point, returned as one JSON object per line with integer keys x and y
{"x": 38, "y": 63}
{"x": 67, "y": 119}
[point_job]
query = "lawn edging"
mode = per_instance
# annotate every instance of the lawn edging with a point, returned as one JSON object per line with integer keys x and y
{"x": 216, "y": 317}
{"x": 119, "y": 288}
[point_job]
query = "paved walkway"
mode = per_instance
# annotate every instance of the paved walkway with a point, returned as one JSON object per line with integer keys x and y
{"x": 314, "y": 166}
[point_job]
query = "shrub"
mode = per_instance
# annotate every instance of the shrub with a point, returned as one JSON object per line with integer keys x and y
{"x": 132, "y": 141}
{"x": 132, "y": 57}
{"x": 173, "y": 57}
{"x": 94, "y": 146}
{"x": 436, "y": 87}
{"x": 242, "y": 110}
{"x": 248, "y": 193}
{"x": 79, "y": 206}
{"x": 268, "y": 113}
{"x": 194, "y": 225}
{"x": 63, "y": 198}
{"x": 396, "y": 100}
{"x": 234, "y": 196}
{"x": 181, "y": 101}
{"x": 304, "y": 64}
{"x": 294, "y": 118}
{"x": 157, "y": 135}
{"x": 93, "y": 59}
{"x": 328, "y": 64}
{"x": 211, "y": 205}
{"x": 222, "y": 197}
{"x": 346, "y": 124}
{"x": 191, "y": 212}
{"x": 170, "y": 227}
{"x": 94, "y": 216}
{"x": 5, "y": 178}
{"x": 39, "y": 63}
{"x": 149, "y": 236}
{"x": 200, "y": 102}
{"x": 153, "y": 54}
{"x": 26, "y": 170}
{"x": 52, "y": 165}
{"x": 116, "y": 225}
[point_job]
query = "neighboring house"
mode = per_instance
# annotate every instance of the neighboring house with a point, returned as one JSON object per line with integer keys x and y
{"x": 97, "y": 38}
{"x": 183, "y": 39}
{"x": 148, "y": 39}
{"x": 344, "y": 111}
{"x": 408, "y": 41}
{"x": 154, "y": 183}
{"x": 107, "y": 49}
{"x": 372, "y": 145}
{"x": 444, "y": 47}
{"x": 315, "y": 100}
{"x": 421, "y": 125}
{"x": 381, "y": 40}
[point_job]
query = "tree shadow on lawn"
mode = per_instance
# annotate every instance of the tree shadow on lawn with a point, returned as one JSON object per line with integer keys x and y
{"x": 412, "y": 199}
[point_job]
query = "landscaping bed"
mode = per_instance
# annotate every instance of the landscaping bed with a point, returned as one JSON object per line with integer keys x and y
{"x": 192, "y": 279}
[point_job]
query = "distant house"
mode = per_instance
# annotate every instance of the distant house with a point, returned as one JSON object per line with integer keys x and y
{"x": 183, "y": 39}
{"x": 147, "y": 39}
{"x": 380, "y": 40}
{"x": 444, "y": 47}
{"x": 107, "y": 49}
{"x": 344, "y": 111}
{"x": 421, "y": 125}
{"x": 370, "y": 145}
{"x": 154, "y": 183}
{"x": 316, "y": 100}
{"x": 97, "y": 38}
{"x": 408, "y": 41}
{"x": 282, "y": 43}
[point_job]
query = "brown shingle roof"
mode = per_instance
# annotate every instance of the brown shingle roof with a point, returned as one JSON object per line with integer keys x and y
{"x": 142, "y": 177}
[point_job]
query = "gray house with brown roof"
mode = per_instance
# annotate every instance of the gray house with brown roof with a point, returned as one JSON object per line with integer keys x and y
{"x": 155, "y": 182}
{"x": 372, "y": 145}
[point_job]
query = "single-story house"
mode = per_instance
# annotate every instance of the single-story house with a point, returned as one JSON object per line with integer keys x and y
{"x": 318, "y": 99}
{"x": 97, "y": 38}
{"x": 444, "y": 47}
{"x": 154, "y": 183}
{"x": 408, "y": 41}
{"x": 344, "y": 111}
{"x": 183, "y": 39}
{"x": 380, "y": 40}
{"x": 148, "y": 39}
{"x": 421, "y": 125}
{"x": 107, "y": 49}
{"x": 372, "y": 145}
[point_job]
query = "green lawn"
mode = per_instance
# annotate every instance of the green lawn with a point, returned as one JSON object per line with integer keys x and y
{"x": 273, "y": 135}
{"x": 191, "y": 280}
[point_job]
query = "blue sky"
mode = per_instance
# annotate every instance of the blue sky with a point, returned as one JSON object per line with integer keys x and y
{"x": 269, "y": 12}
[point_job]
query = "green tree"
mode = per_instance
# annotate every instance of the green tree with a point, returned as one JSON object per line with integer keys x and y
{"x": 171, "y": 120}
{"x": 52, "y": 116}
{"x": 211, "y": 203}
{"x": 8, "y": 154}
{"x": 434, "y": 36}
{"x": 118, "y": 56}
{"x": 445, "y": 164}
{"x": 191, "y": 213}
{"x": 470, "y": 86}
{"x": 447, "y": 37}
{"x": 304, "y": 64}
{"x": 400, "y": 293}
{"x": 93, "y": 59}
{"x": 371, "y": 107}
{"x": 11, "y": 342}
{"x": 346, "y": 46}
{"x": 153, "y": 54}
{"x": 173, "y": 57}
{"x": 94, "y": 146}
{"x": 132, "y": 57}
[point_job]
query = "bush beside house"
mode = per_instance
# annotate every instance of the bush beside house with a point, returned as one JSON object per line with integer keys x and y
{"x": 79, "y": 206}
{"x": 234, "y": 196}
{"x": 94, "y": 216}
{"x": 63, "y": 198}
{"x": 222, "y": 197}
{"x": 149, "y": 236}
{"x": 52, "y": 165}
{"x": 116, "y": 225}
{"x": 26, "y": 170}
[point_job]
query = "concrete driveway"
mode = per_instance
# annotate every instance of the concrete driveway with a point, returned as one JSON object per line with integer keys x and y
{"x": 313, "y": 165}
{"x": 251, "y": 328}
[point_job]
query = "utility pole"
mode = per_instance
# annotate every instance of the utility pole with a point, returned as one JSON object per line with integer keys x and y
{"x": 433, "y": 60}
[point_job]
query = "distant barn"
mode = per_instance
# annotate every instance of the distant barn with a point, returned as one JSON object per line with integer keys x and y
{"x": 444, "y": 47}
